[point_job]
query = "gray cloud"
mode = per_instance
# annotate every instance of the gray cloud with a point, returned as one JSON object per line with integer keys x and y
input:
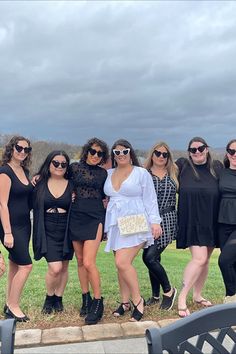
{"x": 145, "y": 71}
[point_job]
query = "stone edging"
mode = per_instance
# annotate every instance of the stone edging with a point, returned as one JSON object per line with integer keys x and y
{"x": 64, "y": 335}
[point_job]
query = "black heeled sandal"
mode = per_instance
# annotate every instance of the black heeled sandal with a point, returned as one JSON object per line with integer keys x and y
{"x": 120, "y": 311}
{"x": 136, "y": 314}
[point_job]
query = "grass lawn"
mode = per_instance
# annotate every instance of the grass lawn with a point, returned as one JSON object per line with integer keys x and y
{"x": 173, "y": 260}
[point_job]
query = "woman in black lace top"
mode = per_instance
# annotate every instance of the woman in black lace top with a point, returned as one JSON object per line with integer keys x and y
{"x": 87, "y": 217}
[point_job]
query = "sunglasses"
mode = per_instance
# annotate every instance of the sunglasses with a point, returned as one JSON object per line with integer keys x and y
{"x": 93, "y": 152}
{"x": 159, "y": 153}
{"x": 200, "y": 149}
{"x": 121, "y": 152}
{"x": 231, "y": 151}
{"x": 19, "y": 148}
{"x": 57, "y": 164}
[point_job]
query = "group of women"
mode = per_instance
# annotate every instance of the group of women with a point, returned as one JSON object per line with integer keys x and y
{"x": 76, "y": 205}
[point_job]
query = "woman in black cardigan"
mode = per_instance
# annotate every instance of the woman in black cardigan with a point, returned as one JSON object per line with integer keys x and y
{"x": 51, "y": 204}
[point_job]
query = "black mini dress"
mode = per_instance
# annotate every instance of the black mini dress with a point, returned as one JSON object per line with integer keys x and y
{"x": 19, "y": 211}
{"x": 198, "y": 205}
{"x": 87, "y": 211}
{"x": 50, "y": 233}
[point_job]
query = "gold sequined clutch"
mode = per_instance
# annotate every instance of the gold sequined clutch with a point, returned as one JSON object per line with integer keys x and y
{"x": 132, "y": 224}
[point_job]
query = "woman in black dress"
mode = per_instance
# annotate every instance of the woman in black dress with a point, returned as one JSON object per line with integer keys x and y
{"x": 86, "y": 223}
{"x": 164, "y": 174}
{"x": 197, "y": 217}
{"x": 227, "y": 222}
{"x": 51, "y": 202}
{"x": 15, "y": 225}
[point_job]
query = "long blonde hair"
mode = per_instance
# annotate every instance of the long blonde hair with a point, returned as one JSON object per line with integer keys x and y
{"x": 171, "y": 167}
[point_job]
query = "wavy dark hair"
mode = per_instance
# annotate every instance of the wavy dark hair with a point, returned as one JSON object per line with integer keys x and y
{"x": 126, "y": 144}
{"x": 89, "y": 144}
{"x": 226, "y": 159}
{"x": 44, "y": 172}
{"x": 209, "y": 158}
{"x": 9, "y": 149}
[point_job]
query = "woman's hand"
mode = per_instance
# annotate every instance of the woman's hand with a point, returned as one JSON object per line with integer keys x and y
{"x": 34, "y": 180}
{"x": 8, "y": 240}
{"x": 105, "y": 202}
{"x": 73, "y": 196}
{"x": 156, "y": 230}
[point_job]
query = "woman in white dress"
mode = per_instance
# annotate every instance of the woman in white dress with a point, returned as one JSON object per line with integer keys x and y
{"x": 131, "y": 192}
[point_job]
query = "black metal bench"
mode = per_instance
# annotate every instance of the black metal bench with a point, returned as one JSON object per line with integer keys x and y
{"x": 212, "y": 326}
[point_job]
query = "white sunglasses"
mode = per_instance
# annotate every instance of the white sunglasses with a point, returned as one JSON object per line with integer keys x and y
{"x": 121, "y": 152}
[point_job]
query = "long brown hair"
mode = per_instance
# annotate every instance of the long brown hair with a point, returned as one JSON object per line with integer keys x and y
{"x": 226, "y": 159}
{"x": 198, "y": 139}
{"x": 171, "y": 167}
{"x": 9, "y": 148}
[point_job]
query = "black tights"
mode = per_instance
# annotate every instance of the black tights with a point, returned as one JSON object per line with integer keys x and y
{"x": 227, "y": 259}
{"x": 157, "y": 273}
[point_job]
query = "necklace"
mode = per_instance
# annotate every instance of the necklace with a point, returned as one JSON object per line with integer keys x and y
{"x": 14, "y": 165}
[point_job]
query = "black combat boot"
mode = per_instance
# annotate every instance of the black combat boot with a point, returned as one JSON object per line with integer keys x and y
{"x": 86, "y": 304}
{"x": 58, "y": 305}
{"x": 96, "y": 312}
{"x": 48, "y": 304}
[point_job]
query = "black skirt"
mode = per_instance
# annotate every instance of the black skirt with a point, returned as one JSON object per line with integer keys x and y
{"x": 55, "y": 230}
{"x": 19, "y": 254}
{"x": 85, "y": 217}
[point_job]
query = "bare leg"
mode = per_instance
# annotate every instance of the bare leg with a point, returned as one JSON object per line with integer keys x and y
{"x": 192, "y": 272}
{"x": 82, "y": 272}
{"x": 89, "y": 259}
{"x": 200, "y": 282}
{"x": 17, "y": 285}
{"x": 124, "y": 289}
{"x": 53, "y": 277}
{"x": 128, "y": 275}
{"x": 12, "y": 270}
{"x": 59, "y": 290}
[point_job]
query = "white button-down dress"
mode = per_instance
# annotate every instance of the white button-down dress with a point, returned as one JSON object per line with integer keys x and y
{"x": 136, "y": 196}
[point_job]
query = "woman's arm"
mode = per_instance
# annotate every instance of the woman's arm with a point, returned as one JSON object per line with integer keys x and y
{"x": 150, "y": 203}
{"x": 5, "y": 186}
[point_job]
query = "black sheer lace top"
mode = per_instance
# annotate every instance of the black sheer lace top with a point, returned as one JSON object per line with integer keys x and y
{"x": 88, "y": 180}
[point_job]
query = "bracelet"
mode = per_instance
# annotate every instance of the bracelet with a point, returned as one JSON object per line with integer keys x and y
{"x": 7, "y": 233}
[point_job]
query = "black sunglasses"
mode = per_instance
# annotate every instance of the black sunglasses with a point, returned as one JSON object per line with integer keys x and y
{"x": 19, "y": 148}
{"x": 93, "y": 152}
{"x": 159, "y": 153}
{"x": 57, "y": 164}
{"x": 231, "y": 151}
{"x": 199, "y": 148}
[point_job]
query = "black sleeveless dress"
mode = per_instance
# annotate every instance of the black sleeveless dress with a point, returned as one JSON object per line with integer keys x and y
{"x": 87, "y": 211}
{"x": 19, "y": 211}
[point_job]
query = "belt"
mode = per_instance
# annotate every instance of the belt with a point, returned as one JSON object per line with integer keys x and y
{"x": 167, "y": 210}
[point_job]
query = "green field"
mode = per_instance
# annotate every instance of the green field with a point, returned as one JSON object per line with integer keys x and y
{"x": 173, "y": 260}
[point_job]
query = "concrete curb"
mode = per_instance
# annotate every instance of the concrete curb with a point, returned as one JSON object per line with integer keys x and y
{"x": 64, "y": 335}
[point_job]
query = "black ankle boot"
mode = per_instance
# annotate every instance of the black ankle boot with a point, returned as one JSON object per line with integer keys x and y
{"x": 86, "y": 304}
{"x": 58, "y": 305}
{"x": 48, "y": 304}
{"x": 96, "y": 312}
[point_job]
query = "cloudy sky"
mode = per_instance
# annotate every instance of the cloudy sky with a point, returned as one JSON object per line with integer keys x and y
{"x": 140, "y": 70}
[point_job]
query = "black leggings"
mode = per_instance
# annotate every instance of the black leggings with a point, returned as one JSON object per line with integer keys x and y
{"x": 227, "y": 258}
{"x": 157, "y": 273}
